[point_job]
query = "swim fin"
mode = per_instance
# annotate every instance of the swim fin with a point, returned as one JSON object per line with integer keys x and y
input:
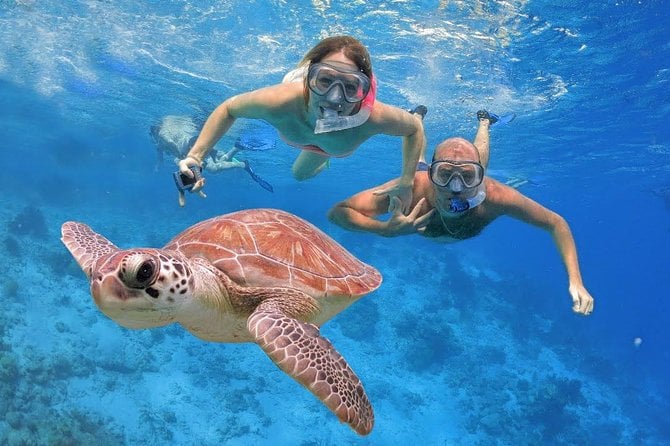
{"x": 264, "y": 184}
{"x": 495, "y": 119}
{"x": 504, "y": 119}
{"x": 420, "y": 110}
{"x": 422, "y": 166}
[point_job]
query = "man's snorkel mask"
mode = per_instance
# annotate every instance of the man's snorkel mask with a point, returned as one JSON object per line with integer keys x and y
{"x": 458, "y": 177}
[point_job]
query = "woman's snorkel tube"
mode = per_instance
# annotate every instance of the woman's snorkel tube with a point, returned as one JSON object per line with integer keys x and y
{"x": 332, "y": 121}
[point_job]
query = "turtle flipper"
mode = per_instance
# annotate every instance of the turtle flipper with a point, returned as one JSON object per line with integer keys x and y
{"x": 300, "y": 351}
{"x": 84, "y": 244}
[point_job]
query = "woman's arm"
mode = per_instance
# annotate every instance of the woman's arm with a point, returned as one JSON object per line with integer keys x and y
{"x": 395, "y": 121}
{"x": 257, "y": 104}
{"x": 265, "y": 103}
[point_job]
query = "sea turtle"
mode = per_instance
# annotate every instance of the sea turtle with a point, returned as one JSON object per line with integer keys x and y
{"x": 258, "y": 275}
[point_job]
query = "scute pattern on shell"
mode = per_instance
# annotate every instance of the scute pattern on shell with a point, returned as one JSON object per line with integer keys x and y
{"x": 269, "y": 246}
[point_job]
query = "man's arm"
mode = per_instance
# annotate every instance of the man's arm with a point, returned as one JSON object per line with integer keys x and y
{"x": 523, "y": 208}
{"x": 359, "y": 213}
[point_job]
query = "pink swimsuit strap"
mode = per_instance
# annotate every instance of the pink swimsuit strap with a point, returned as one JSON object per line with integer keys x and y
{"x": 313, "y": 148}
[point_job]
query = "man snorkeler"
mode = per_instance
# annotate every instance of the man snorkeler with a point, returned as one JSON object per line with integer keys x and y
{"x": 454, "y": 200}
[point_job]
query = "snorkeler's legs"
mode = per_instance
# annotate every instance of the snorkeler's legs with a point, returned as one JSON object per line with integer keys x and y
{"x": 220, "y": 165}
{"x": 230, "y": 154}
{"x": 482, "y": 141}
{"x": 308, "y": 164}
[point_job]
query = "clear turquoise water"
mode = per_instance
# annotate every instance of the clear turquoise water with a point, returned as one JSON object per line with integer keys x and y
{"x": 472, "y": 343}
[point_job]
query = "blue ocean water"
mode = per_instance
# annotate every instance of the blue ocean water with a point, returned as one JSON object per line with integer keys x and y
{"x": 466, "y": 344}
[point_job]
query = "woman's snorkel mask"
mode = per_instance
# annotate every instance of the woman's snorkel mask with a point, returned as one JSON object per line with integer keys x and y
{"x": 339, "y": 84}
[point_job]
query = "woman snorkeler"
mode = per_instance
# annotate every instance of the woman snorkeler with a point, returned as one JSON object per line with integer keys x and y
{"x": 327, "y": 108}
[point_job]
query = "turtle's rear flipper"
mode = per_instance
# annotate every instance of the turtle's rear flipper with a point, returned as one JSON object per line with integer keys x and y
{"x": 300, "y": 351}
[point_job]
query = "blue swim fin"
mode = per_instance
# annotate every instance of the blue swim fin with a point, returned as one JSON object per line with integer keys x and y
{"x": 264, "y": 184}
{"x": 504, "y": 119}
{"x": 422, "y": 166}
{"x": 254, "y": 142}
{"x": 495, "y": 119}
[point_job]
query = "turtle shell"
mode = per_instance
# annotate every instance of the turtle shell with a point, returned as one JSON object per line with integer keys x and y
{"x": 270, "y": 247}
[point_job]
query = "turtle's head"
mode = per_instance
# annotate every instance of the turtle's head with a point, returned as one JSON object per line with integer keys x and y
{"x": 138, "y": 288}
{"x": 141, "y": 288}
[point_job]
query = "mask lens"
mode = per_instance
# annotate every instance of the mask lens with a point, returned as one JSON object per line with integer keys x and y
{"x": 323, "y": 83}
{"x": 442, "y": 173}
{"x": 321, "y": 78}
{"x": 471, "y": 174}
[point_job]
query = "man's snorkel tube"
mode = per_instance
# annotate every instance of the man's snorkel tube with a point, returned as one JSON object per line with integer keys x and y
{"x": 332, "y": 121}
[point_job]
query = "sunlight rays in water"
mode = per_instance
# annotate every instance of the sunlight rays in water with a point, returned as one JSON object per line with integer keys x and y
{"x": 460, "y": 53}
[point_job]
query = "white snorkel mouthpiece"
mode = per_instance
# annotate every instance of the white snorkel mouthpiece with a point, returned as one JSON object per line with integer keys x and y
{"x": 332, "y": 121}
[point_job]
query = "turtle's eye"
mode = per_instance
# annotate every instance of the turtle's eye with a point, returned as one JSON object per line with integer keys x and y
{"x": 145, "y": 273}
{"x": 140, "y": 274}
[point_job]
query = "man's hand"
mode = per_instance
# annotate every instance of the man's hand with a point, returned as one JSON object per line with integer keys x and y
{"x": 401, "y": 224}
{"x": 582, "y": 302}
{"x": 400, "y": 191}
{"x": 185, "y": 169}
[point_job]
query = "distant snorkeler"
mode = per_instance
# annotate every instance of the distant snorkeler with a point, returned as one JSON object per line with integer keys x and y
{"x": 326, "y": 107}
{"x": 175, "y": 135}
{"x": 454, "y": 200}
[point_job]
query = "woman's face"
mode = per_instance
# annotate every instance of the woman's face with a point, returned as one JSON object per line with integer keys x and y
{"x": 334, "y": 100}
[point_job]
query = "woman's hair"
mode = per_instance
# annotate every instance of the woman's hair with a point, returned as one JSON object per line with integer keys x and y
{"x": 352, "y": 48}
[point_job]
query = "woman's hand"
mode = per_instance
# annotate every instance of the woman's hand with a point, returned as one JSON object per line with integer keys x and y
{"x": 185, "y": 169}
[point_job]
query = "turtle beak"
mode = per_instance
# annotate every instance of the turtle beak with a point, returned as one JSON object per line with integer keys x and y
{"x": 108, "y": 293}
{"x": 127, "y": 307}
{"x": 124, "y": 306}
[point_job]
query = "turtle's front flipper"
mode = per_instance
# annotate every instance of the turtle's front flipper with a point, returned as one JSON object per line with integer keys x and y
{"x": 84, "y": 244}
{"x": 299, "y": 350}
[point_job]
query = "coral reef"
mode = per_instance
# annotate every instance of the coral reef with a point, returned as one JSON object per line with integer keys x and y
{"x": 429, "y": 342}
{"x": 29, "y": 395}
{"x": 12, "y": 246}
{"x": 359, "y": 321}
{"x": 29, "y": 222}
